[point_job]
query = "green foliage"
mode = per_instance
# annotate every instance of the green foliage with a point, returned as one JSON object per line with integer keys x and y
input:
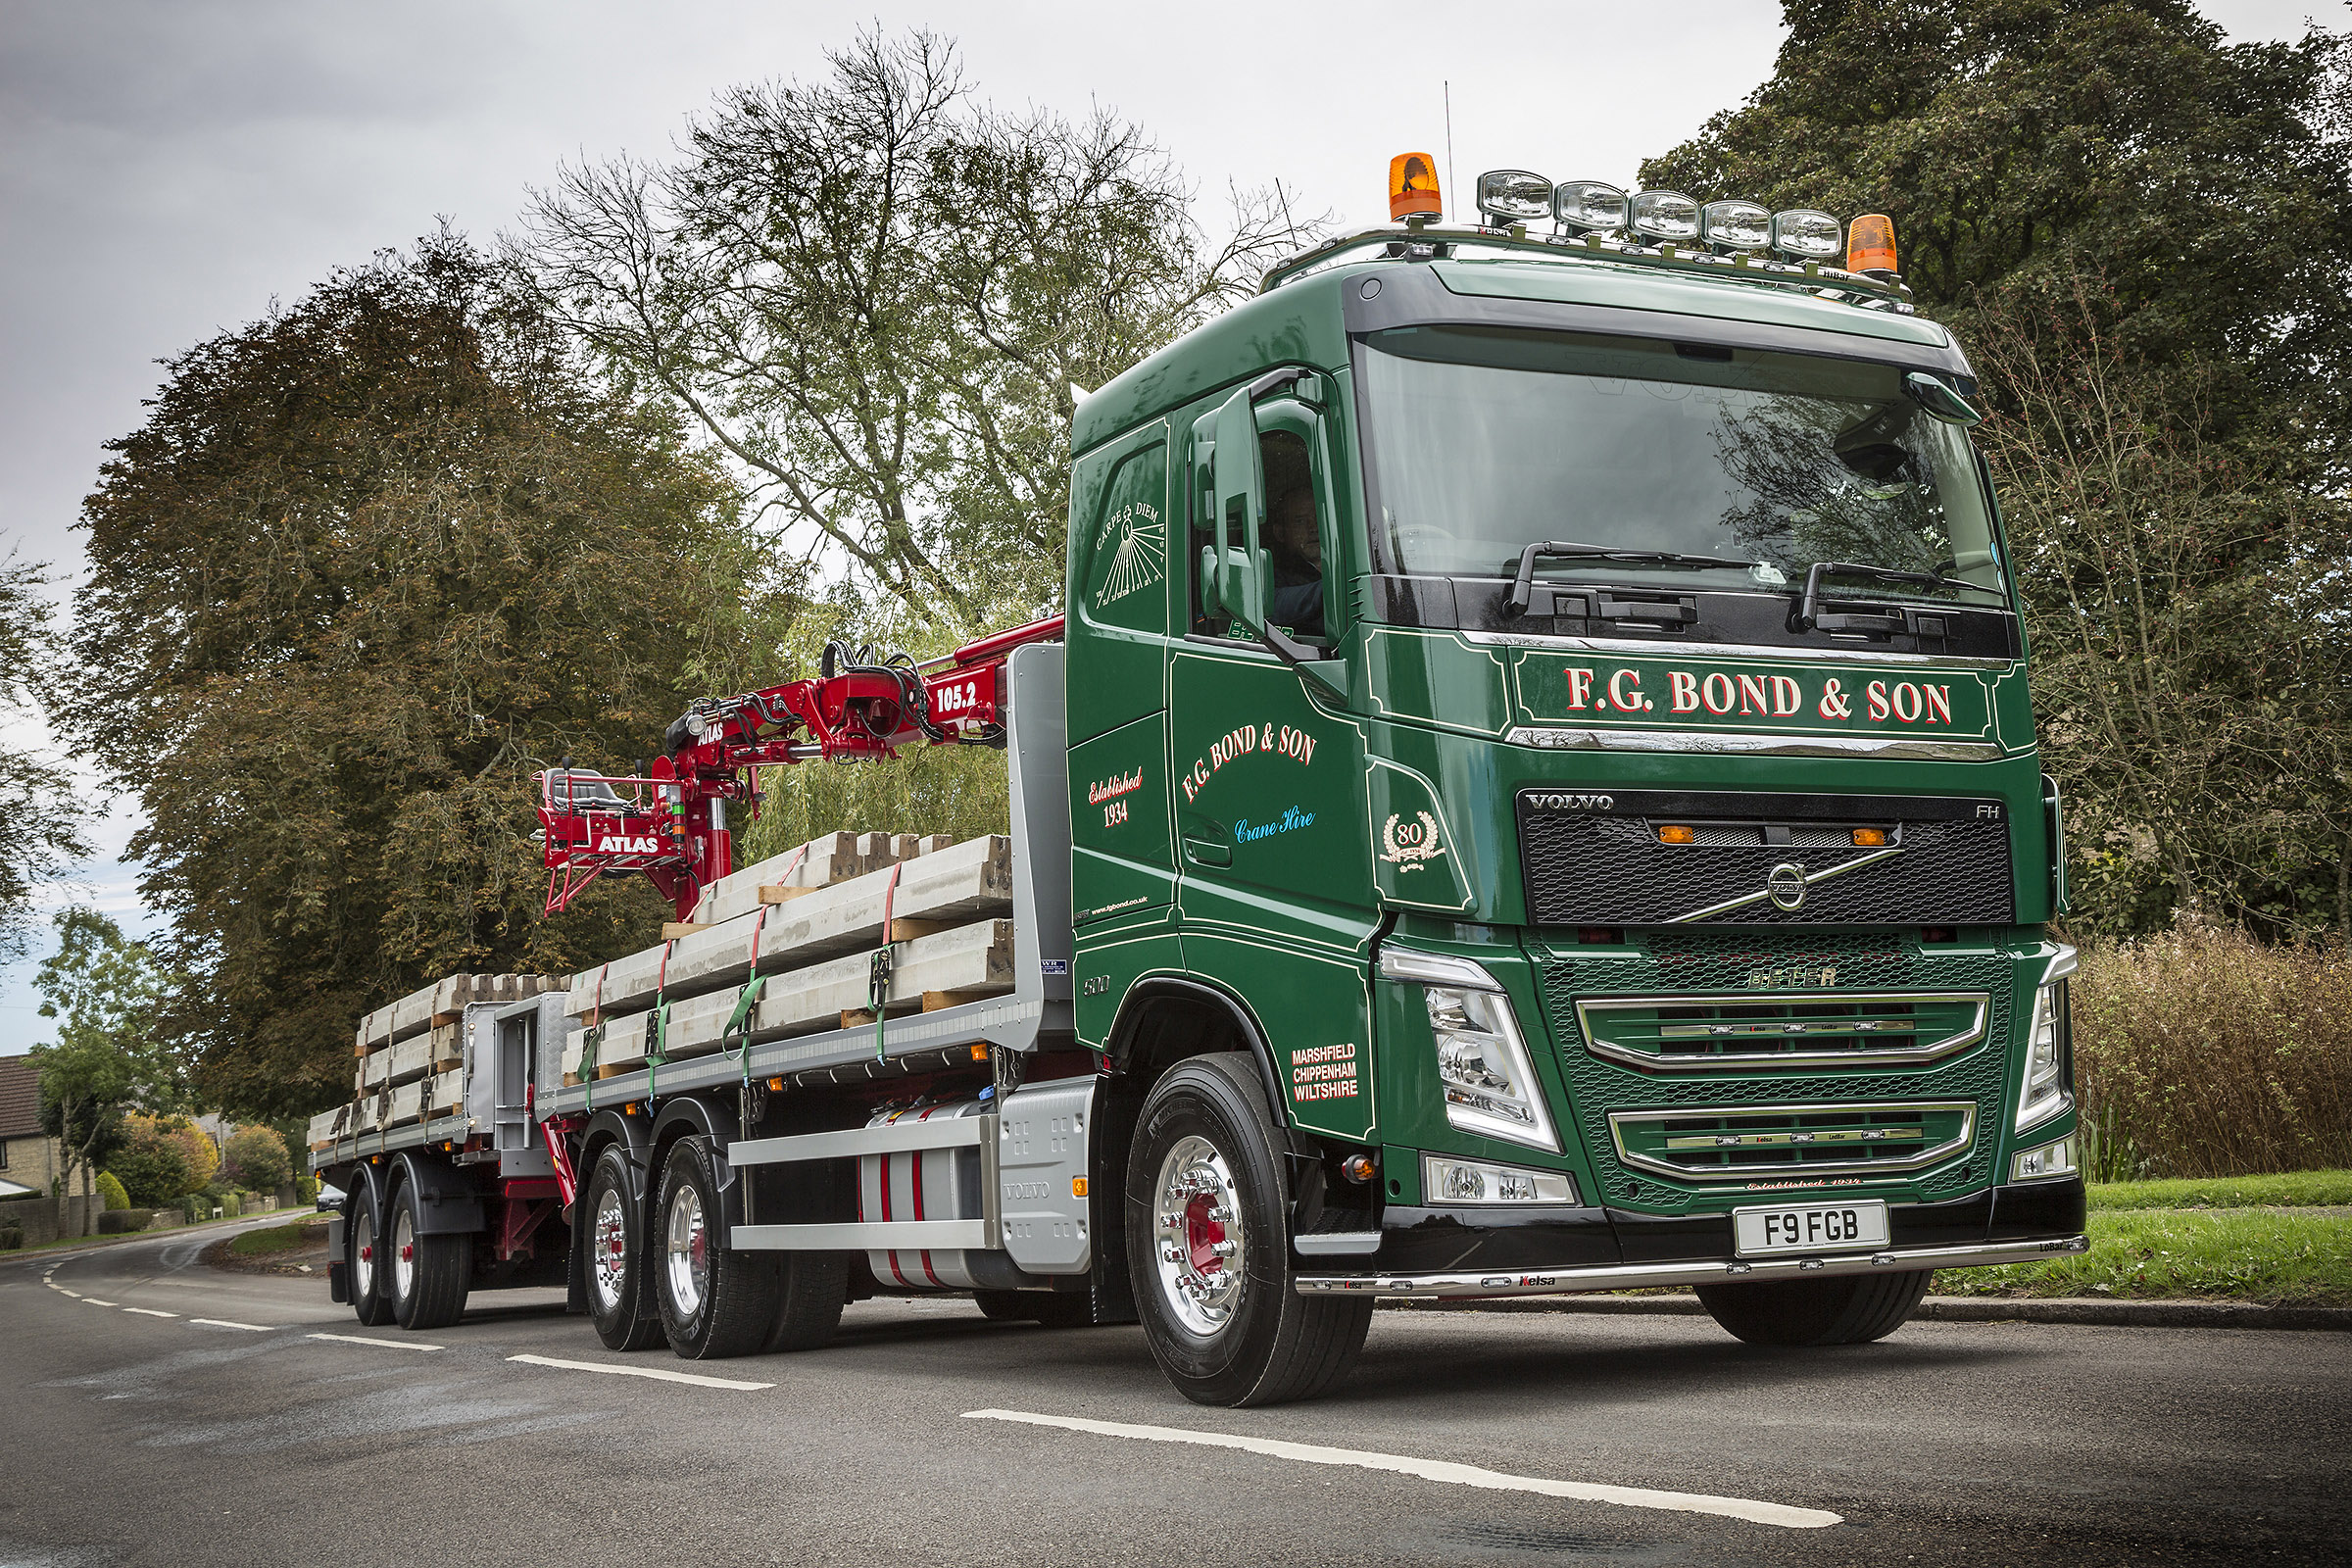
{"x": 2205, "y": 1053}
{"x": 271, "y": 1240}
{"x": 162, "y": 1160}
{"x": 40, "y": 832}
{"x": 874, "y": 291}
{"x": 370, "y": 562}
{"x": 2138, "y": 230}
{"x": 2228, "y": 1254}
{"x": 2303, "y": 1189}
{"x": 111, "y": 1190}
{"x": 255, "y": 1159}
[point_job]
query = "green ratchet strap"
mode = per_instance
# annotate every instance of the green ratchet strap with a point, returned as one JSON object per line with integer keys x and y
{"x": 739, "y": 1023}
{"x": 879, "y": 967}
{"x": 591, "y": 1041}
{"x": 657, "y": 1021}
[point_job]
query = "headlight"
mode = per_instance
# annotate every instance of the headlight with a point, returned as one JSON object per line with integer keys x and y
{"x": 1515, "y": 196}
{"x": 1664, "y": 214}
{"x": 1483, "y": 1066}
{"x": 2046, "y": 1163}
{"x": 1587, "y": 205}
{"x": 1736, "y": 225}
{"x": 1807, "y": 236}
{"x": 1446, "y": 1180}
{"x": 2047, "y": 1085}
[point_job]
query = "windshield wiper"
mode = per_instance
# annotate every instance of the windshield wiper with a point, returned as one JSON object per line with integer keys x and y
{"x": 1523, "y": 585}
{"x": 1845, "y": 569}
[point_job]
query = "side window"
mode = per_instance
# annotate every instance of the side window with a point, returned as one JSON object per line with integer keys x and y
{"x": 1293, "y": 539}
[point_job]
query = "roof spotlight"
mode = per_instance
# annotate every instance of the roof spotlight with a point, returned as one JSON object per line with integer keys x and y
{"x": 1807, "y": 236}
{"x": 1736, "y": 225}
{"x": 1587, "y": 205}
{"x": 1515, "y": 196}
{"x": 1663, "y": 215}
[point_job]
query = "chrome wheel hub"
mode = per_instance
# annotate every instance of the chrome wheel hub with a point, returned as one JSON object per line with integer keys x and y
{"x": 686, "y": 1252}
{"x": 403, "y": 1254}
{"x": 609, "y": 1249}
{"x": 1197, "y": 1238}
{"x": 363, "y": 1255}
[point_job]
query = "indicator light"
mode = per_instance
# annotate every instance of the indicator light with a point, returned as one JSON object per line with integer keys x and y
{"x": 1682, "y": 835}
{"x": 1870, "y": 245}
{"x": 980, "y": 1052}
{"x": 776, "y": 1084}
{"x": 1077, "y": 1187}
{"x": 1870, "y": 838}
{"x": 1413, "y": 187}
{"x": 1359, "y": 1168}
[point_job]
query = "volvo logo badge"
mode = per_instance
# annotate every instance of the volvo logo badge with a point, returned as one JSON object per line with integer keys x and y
{"x": 1786, "y": 885}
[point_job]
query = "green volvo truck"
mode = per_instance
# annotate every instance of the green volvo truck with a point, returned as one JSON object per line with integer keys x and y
{"x": 1536, "y": 793}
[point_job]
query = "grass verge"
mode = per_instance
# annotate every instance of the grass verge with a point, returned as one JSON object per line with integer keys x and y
{"x": 276, "y": 1239}
{"x": 2240, "y": 1255}
{"x": 2305, "y": 1188}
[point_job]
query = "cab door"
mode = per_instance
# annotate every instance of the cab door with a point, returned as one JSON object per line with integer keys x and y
{"x": 1122, "y": 870}
{"x": 1273, "y": 869}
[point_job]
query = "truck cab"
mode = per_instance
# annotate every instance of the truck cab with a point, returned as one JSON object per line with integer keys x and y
{"x": 1557, "y": 712}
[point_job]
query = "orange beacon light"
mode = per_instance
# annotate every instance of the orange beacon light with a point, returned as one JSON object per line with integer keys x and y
{"x": 1413, "y": 187}
{"x": 1870, "y": 245}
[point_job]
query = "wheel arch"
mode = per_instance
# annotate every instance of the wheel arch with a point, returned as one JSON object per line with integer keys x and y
{"x": 1165, "y": 1019}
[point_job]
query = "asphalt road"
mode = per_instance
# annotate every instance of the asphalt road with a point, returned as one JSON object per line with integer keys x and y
{"x": 134, "y": 1430}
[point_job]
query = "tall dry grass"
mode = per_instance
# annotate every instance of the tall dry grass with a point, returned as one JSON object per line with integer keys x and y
{"x": 2203, "y": 1053}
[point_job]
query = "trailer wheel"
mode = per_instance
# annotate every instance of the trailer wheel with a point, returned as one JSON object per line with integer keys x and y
{"x": 427, "y": 1274}
{"x": 1847, "y": 1309}
{"x": 715, "y": 1301}
{"x": 369, "y": 1303}
{"x": 1208, "y": 1246}
{"x": 619, "y": 1284}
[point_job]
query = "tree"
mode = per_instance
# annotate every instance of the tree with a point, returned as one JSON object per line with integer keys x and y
{"x": 256, "y": 1159}
{"x": 154, "y": 1164}
{"x": 2135, "y": 227}
{"x": 40, "y": 832}
{"x": 2191, "y": 669}
{"x": 370, "y": 562}
{"x": 103, "y": 990}
{"x": 874, "y": 294}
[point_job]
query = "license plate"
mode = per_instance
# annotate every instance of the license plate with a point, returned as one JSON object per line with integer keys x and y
{"x": 1808, "y": 1228}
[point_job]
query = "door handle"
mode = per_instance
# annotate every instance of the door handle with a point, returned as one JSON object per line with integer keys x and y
{"x": 1205, "y": 845}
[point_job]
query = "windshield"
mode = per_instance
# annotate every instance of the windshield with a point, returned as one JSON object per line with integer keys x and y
{"x": 1485, "y": 441}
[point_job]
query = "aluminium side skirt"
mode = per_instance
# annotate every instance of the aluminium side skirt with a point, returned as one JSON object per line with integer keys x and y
{"x": 1649, "y": 1276}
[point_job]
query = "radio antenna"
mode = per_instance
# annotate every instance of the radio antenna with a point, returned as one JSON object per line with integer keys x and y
{"x": 1447, "y": 84}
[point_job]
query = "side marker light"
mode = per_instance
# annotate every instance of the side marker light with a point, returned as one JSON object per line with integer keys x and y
{"x": 1870, "y": 837}
{"x": 1682, "y": 835}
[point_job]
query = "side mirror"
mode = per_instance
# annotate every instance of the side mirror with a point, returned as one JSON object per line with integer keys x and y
{"x": 1239, "y": 491}
{"x": 1937, "y": 396}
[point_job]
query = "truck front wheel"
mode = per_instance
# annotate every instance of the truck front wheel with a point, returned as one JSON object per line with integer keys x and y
{"x": 1844, "y": 1309}
{"x": 1208, "y": 1246}
{"x": 620, "y": 1299}
{"x": 715, "y": 1301}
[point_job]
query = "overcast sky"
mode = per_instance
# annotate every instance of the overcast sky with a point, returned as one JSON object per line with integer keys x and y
{"x": 171, "y": 168}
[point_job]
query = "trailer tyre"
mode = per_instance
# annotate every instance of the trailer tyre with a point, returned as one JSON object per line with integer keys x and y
{"x": 715, "y": 1301}
{"x": 621, "y": 1297}
{"x": 371, "y": 1304}
{"x": 1208, "y": 1246}
{"x": 1847, "y": 1309}
{"x": 427, "y": 1274}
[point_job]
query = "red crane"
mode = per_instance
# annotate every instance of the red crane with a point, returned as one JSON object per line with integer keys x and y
{"x": 671, "y": 824}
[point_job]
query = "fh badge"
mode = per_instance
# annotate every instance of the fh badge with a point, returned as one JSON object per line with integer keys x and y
{"x": 1410, "y": 846}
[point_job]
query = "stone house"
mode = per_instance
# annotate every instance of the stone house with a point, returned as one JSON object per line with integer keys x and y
{"x": 28, "y": 1158}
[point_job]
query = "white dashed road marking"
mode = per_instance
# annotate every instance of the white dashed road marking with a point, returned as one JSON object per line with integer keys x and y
{"x": 149, "y": 1311}
{"x": 76, "y": 1295}
{"x": 223, "y": 1323}
{"x": 1464, "y": 1475}
{"x": 698, "y": 1379}
{"x": 389, "y": 1345}
{"x": 92, "y": 1300}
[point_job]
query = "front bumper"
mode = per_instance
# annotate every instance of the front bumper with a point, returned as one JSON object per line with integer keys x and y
{"x": 1714, "y": 1271}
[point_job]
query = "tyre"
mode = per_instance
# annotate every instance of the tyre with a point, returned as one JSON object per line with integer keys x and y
{"x": 620, "y": 1297}
{"x": 715, "y": 1301}
{"x": 1844, "y": 1309}
{"x": 1055, "y": 1309}
{"x": 813, "y": 1289}
{"x": 1208, "y": 1246}
{"x": 364, "y": 1245}
{"x": 428, "y": 1275}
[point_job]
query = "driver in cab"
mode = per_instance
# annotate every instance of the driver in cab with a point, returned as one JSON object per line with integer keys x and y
{"x": 1295, "y": 546}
